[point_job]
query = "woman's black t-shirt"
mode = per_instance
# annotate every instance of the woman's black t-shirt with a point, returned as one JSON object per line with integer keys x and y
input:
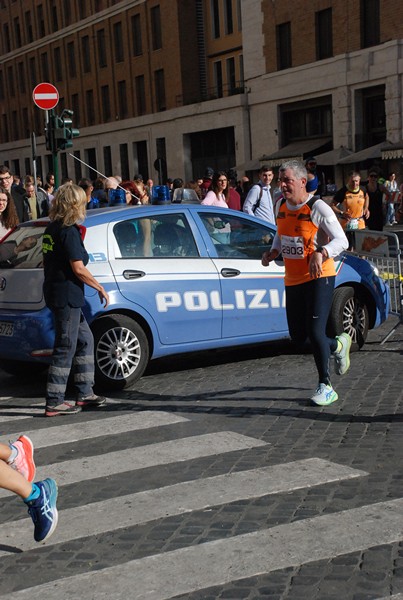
{"x": 61, "y": 245}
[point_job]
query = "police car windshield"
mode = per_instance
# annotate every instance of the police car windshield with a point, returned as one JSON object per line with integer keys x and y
{"x": 22, "y": 248}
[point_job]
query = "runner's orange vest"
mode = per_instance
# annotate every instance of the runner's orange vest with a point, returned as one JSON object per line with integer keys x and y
{"x": 298, "y": 241}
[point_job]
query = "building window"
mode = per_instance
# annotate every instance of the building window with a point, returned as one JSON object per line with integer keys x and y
{"x": 310, "y": 119}
{"x": 231, "y": 78}
{"x": 229, "y": 25}
{"x": 85, "y": 53}
{"x": 124, "y": 161}
{"x": 283, "y": 44}
{"x": 27, "y": 163}
{"x": 26, "y": 125}
{"x": 45, "y": 66}
{"x": 136, "y": 36}
{"x": 15, "y": 125}
{"x": 10, "y": 77}
{"x": 91, "y": 156}
{"x": 239, "y": 14}
{"x": 101, "y": 48}
{"x": 156, "y": 27}
{"x": 57, "y": 58}
{"x": 89, "y": 100}
{"x": 71, "y": 59}
{"x": 5, "y": 136}
{"x": 215, "y": 19}
{"x": 122, "y": 99}
{"x": 82, "y": 8}
{"x": 324, "y": 34}
{"x": 140, "y": 95}
{"x": 28, "y": 27}
{"x": 17, "y": 32}
{"x": 75, "y": 105}
{"x": 6, "y": 38}
{"x": 118, "y": 42}
{"x": 106, "y": 103}
{"x": 218, "y": 78}
{"x": 67, "y": 12}
{"x": 373, "y": 117}
{"x": 77, "y": 165}
{"x": 21, "y": 78}
{"x": 63, "y": 164}
{"x": 32, "y": 71}
{"x": 160, "y": 89}
{"x": 40, "y": 20}
{"x": 107, "y": 160}
{"x": 370, "y": 23}
{"x": 54, "y": 17}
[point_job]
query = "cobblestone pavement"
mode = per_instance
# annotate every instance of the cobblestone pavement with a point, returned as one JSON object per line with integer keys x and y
{"x": 305, "y": 533}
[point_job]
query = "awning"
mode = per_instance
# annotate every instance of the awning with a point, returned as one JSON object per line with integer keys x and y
{"x": 366, "y": 154}
{"x": 332, "y": 157}
{"x": 391, "y": 151}
{"x": 249, "y": 165}
{"x": 295, "y": 151}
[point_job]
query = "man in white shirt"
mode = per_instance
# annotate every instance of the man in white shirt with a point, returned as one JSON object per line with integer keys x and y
{"x": 259, "y": 202}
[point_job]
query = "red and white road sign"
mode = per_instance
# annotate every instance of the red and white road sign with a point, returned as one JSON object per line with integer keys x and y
{"x": 45, "y": 96}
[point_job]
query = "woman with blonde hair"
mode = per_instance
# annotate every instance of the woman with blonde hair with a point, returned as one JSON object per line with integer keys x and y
{"x": 8, "y": 213}
{"x": 64, "y": 258}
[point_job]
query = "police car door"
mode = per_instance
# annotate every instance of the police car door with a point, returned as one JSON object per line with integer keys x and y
{"x": 253, "y": 298}
{"x": 160, "y": 271}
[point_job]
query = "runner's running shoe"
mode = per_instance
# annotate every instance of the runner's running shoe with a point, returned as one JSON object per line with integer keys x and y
{"x": 324, "y": 395}
{"x": 24, "y": 461}
{"x": 342, "y": 356}
{"x": 43, "y": 510}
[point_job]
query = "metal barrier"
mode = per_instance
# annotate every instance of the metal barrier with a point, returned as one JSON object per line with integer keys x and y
{"x": 382, "y": 248}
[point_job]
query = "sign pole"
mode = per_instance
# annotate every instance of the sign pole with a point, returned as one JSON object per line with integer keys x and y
{"x": 33, "y": 147}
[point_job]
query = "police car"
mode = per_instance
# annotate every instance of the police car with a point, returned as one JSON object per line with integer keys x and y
{"x": 180, "y": 278}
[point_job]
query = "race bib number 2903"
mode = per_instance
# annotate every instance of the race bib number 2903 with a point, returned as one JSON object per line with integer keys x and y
{"x": 292, "y": 247}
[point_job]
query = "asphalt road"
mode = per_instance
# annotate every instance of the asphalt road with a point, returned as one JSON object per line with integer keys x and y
{"x": 215, "y": 478}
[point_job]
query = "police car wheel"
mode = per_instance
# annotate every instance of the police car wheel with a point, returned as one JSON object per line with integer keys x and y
{"x": 121, "y": 351}
{"x": 349, "y": 313}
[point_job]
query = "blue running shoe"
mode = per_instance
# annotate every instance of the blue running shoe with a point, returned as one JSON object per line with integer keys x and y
{"x": 324, "y": 395}
{"x": 43, "y": 510}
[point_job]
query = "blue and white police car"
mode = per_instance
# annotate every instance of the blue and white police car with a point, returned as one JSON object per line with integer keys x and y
{"x": 181, "y": 278}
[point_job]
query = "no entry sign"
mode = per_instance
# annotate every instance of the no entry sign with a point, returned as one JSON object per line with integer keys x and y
{"x": 45, "y": 96}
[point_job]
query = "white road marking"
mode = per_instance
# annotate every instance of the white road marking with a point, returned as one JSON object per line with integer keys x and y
{"x": 183, "y": 571}
{"x": 142, "y": 457}
{"x": 75, "y": 432}
{"x": 135, "y": 509}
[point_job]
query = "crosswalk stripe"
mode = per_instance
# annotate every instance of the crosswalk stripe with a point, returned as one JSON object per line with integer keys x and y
{"x": 142, "y": 457}
{"x": 395, "y": 597}
{"x": 183, "y": 571}
{"x": 74, "y": 431}
{"x": 134, "y": 509}
{"x": 21, "y": 412}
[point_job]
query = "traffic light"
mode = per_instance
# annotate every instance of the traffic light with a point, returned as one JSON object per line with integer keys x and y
{"x": 64, "y": 132}
{"x": 69, "y": 132}
{"x": 50, "y": 134}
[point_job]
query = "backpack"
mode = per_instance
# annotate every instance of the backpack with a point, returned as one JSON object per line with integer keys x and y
{"x": 256, "y": 206}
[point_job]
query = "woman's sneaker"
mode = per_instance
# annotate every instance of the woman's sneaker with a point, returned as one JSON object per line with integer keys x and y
{"x": 342, "y": 356}
{"x": 90, "y": 401}
{"x": 43, "y": 511}
{"x": 324, "y": 395}
{"x": 61, "y": 409}
{"x": 24, "y": 461}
